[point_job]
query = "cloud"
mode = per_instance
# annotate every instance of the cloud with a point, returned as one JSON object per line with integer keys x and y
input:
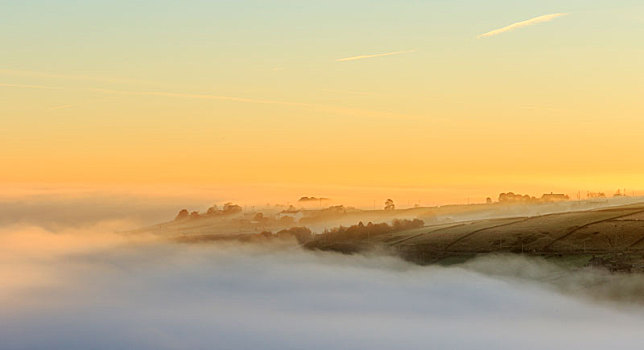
{"x": 513, "y": 26}
{"x": 354, "y": 58}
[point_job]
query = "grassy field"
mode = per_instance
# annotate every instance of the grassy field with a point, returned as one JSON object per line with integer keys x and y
{"x": 610, "y": 237}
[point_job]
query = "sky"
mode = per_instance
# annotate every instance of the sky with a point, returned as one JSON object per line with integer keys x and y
{"x": 457, "y": 98}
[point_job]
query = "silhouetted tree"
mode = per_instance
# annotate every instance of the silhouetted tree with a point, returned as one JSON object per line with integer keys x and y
{"x": 511, "y": 197}
{"x": 361, "y": 231}
{"x": 230, "y": 208}
{"x": 301, "y": 234}
{"x": 183, "y": 214}
{"x": 213, "y": 210}
{"x": 389, "y": 205}
{"x": 287, "y": 220}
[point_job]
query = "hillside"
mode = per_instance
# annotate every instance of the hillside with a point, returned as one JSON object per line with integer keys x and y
{"x": 610, "y": 237}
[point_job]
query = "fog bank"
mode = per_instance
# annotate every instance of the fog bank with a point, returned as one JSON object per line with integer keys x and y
{"x": 166, "y": 296}
{"x": 83, "y": 286}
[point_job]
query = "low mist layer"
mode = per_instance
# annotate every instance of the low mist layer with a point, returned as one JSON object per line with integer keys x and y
{"x": 81, "y": 286}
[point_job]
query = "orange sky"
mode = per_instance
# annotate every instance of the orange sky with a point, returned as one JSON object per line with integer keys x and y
{"x": 326, "y": 98}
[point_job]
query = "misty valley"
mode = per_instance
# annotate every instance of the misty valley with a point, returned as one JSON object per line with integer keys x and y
{"x": 321, "y": 175}
{"x": 593, "y": 233}
{"x": 334, "y": 277}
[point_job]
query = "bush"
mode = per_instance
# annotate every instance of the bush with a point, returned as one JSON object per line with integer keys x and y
{"x": 362, "y": 231}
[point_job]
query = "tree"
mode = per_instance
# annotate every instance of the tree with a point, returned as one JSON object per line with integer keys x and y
{"x": 389, "y": 205}
{"x": 287, "y": 220}
{"x": 183, "y": 214}
{"x": 213, "y": 210}
{"x": 230, "y": 208}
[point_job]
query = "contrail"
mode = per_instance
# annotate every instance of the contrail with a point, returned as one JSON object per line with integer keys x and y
{"x": 513, "y": 26}
{"x": 374, "y": 55}
{"x": 319, "y": 107}
{"x": 55, "y": 108}
{"x": 46, "y": 75}
{"x": 29, "y": 86}
{"x": 201, "y": 96}
{"x": 357, "y": 112}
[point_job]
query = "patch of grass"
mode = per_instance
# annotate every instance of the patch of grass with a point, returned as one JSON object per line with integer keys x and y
{"x": 455, "y": 260}
{"x": 570, "y": 261}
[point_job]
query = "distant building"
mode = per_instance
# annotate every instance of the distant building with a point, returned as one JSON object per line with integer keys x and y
{"x": 554, "y": 197}
{"x": 294, "y": 214}
{"x": 619, "y": 193}
{"x": 312, "y": 199}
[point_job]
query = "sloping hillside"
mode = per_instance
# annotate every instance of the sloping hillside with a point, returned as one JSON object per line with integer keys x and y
{"x": 612, "y": 237}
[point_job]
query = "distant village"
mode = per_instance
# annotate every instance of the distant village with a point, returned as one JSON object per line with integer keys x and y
{"x": 511, "y": 197}
{"x": 285, "y": 216}
{"x": 270, "y": 216}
